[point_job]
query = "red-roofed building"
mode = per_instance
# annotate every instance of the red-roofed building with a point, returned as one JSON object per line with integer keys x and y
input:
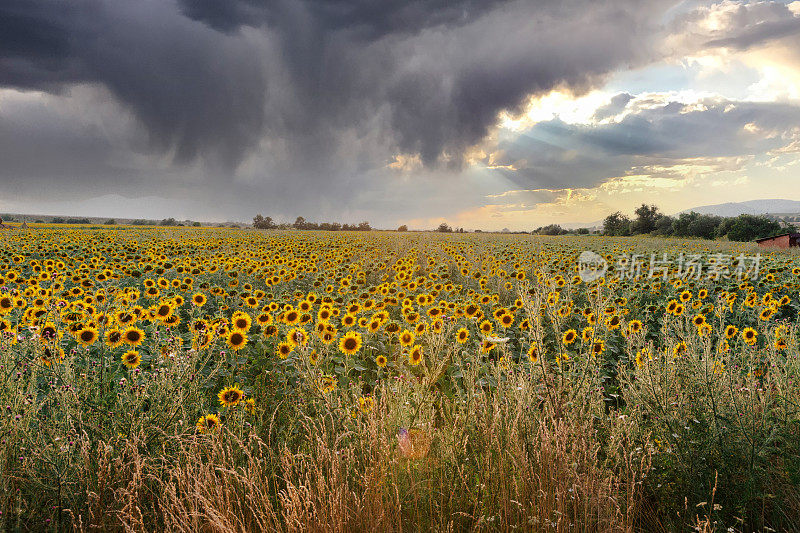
{"x": 787, "y": 240}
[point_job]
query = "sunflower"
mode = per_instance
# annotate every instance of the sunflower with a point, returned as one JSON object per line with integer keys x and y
{"x": 486, "y": 327}
{"x": 598, "y": 347}
{"x": 230, "y": 396}
{"x": 487, "y": 345}
{"x": 569, "y": 336}
{"x": 506, "y": 320}
{"x": 49, "y": 332}
{"x": 750, "y": 336}
{"x": 124, "y": 318}
{"x": 250, "y": 405}
{"x": 415, "y": 355}
{"x": 162, "y": 311}
{"x": 133, "y": 336}
{"x": 6, "y": 304}
{"x": 131, "y": 359}
{"x": 208, "y": 423}
{"x": 264, "y": 319}
{"x": 199, "y": 299}
{"x": 49, "y": 357}
{"x": 366, "y": 404}
{"x": 241, "y": 322}
{"x": 381, "y": 361}
{"x": 679, "y": 349}
{"x": 634, "y": 326}
{"x": 291, "y": 317}
{"x": 533, "y": 353}
{"x": 297, "y": 336}
{"x": 284, "y": 349}
{"x": 350, "y": 343}
{"x": 731, "y": 331}
{"x": 406, "y": 338}
{"x": 87, "y": 336}
{"x": 236, "y": 340}
{"x": 462, "y": 336}
{"x": 699, "y": 320}
{"x": 326, "y": 383}
{"x": 766, "y": 313}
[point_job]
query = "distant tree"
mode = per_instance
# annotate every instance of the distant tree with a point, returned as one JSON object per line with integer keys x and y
{"x": 299, "y": 223}
{"x": 364, "y": 226}
{"x": 58, "y": 220}
{"x": 645, "y": 221}
{"x": 617, "y": 224}
{"x": 110, "y": 222}
{"x": 167, "y": 222}
{"x": 582, "y": 231}
{"x": 725, "y": 226}
{"x": 196, "y": 224}
{"x": 749, "y": 227}
{"x": 551, "y": 229}
{"x": 680, "y": 226}
{"x": 261, "y": 222}
{"x": 704, "y": 226}
{"x": 444, "y": 228}
{"x": 139, "y": 222}
{"x": 664, "y": 225}
{"x": 403, "y": 228}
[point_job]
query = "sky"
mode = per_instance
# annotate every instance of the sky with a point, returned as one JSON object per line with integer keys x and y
{"x": 483, "y": 114}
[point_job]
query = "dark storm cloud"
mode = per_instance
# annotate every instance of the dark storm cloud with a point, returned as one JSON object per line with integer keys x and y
{"x": 367, "y": 19}
{"x": 330, "y": 87}
{"x": 195, "y": 91}
{"x": 554, "y": 154}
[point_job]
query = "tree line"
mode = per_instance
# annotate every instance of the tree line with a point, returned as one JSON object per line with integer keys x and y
{"x": 649, "y": 220}
{"x": 262, "y": 222}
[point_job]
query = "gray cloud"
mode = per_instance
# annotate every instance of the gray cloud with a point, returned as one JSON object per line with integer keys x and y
{"x": 739, "y": 26}
{"x": 614, "y": 107}
{"x": 298, "y": 105}
{"x": 554, "y": 154}
{"x": 319, "y": 77}
{"x": 197, "y": 92}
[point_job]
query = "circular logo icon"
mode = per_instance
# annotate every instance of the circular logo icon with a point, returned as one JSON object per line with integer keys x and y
{"x": 591, "y": 266}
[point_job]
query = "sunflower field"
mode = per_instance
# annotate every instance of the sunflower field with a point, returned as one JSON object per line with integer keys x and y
{"x": 207, "y": 379}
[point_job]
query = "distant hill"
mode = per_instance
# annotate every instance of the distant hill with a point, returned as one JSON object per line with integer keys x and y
{"x": 750, "y": 207}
